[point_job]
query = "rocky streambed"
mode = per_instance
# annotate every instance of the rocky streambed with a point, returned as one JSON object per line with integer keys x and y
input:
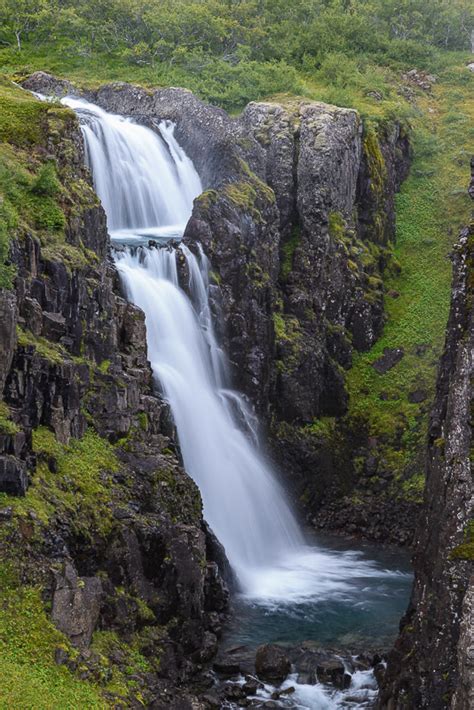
{"x": 303, "y": 676}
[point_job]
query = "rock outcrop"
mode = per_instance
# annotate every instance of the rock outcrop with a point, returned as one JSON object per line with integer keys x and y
{"x": 432, "y": 664}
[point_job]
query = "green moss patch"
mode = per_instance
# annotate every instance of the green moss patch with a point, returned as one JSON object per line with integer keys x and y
{"x": 28, "y": 641}
{"x": 465, "y": 551}
{"x": 119, "y": 677}
{"x": 22, "y": 116}
{"x": 70, "y": 482}
{"x": 53, "y": 352}
{"x": 7, "y": 426}
{"x": 288, "y": 251}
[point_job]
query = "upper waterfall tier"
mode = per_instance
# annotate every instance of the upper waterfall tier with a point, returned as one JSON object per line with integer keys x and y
{"x": 144, "y": 179}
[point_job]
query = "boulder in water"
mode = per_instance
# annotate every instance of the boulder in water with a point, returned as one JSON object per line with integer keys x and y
{"x": 333, "y": 671}
{"x": 271, "y": 663}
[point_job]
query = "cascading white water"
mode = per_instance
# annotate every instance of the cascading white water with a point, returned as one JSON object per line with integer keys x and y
{"x": 243, "y": 503}
{"x": 145, "y": 180}
{"x": 147, "y": 185}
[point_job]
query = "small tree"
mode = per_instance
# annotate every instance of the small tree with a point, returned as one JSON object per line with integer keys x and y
{"x": 19, "y": 18}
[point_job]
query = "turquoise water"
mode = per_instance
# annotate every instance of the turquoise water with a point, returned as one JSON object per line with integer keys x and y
{"x": 358, "y": 608}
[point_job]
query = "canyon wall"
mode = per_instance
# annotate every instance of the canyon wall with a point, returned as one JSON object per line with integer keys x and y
{"x": 297, "y": 218}
{"x": 432, "y": 664}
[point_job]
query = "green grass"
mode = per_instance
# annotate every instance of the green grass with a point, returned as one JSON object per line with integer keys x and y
{"x": 465, "y": 551}
{"x": 105, "y": 643}
{"x": 30, "y": 677}
{"x": 22, "y": 116}
{"x": 7, "y": 426}
{"x": 430, "y": 208}
{"x": 53, "y": 352}
{"x": 79, "y": 488}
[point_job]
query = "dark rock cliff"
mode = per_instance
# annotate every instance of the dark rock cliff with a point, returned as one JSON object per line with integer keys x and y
{"x": 94, "y": 505}
{"x": 432, "y": 664}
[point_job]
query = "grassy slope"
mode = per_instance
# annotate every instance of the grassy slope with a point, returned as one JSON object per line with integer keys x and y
{"x": 30, "y": 678}
{"x": 431, "y": 207}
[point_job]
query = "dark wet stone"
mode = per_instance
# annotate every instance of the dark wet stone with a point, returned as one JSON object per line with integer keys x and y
{"x": 390, "y": 358}
{"x": 251, "y": 686}
{"x": 272, "y": 663}
{"x": 76, "y": 605}
{"x": 233, "y": 691}
{"x": 211, "y": 700}
{"x": 417, "y": 396}
{"x": 54, "y": 326}
{"x": 277, "y": 694}
{"x": 61, "y": 657}
{"x": 226, "y": 666}
{"x": 334, "y": 672}
{"x": 13, "y": 476}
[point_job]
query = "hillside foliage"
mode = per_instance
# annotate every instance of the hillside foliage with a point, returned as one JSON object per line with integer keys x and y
{"x": 233, "y": 51}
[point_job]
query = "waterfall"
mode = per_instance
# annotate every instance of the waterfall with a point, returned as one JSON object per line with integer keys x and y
{"x": 147, "y": 185}
{"x": 243, "y": 503}
{"x": 145, "y": 180}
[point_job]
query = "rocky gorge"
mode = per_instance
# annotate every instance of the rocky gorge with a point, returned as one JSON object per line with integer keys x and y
{"x": 297, "y": 219}
{"x": 307, "y": 194}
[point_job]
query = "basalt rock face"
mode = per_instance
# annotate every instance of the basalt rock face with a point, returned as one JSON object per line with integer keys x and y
{"x": 432, "y": 664}
{"x": 109, "y": 526}
{"x": 299, "y": 287}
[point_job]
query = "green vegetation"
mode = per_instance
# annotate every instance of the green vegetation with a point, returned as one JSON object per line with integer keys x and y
{"x": 70, "y": 482}
{"x": 36, "y": 197}
{"x": 6, "y": 425}
{"x": 431, "y": 207}
{"x": 51, "y": 351}
{"x": 232, "y": 52}
{"x": 465, "y": 551}
{"x": 243, "y": 194}
{"x": 324, "y": 427}
{"x": 28, "y": 641}
{"x": 288, "y": 251}
{"x": 105, "y": 643}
